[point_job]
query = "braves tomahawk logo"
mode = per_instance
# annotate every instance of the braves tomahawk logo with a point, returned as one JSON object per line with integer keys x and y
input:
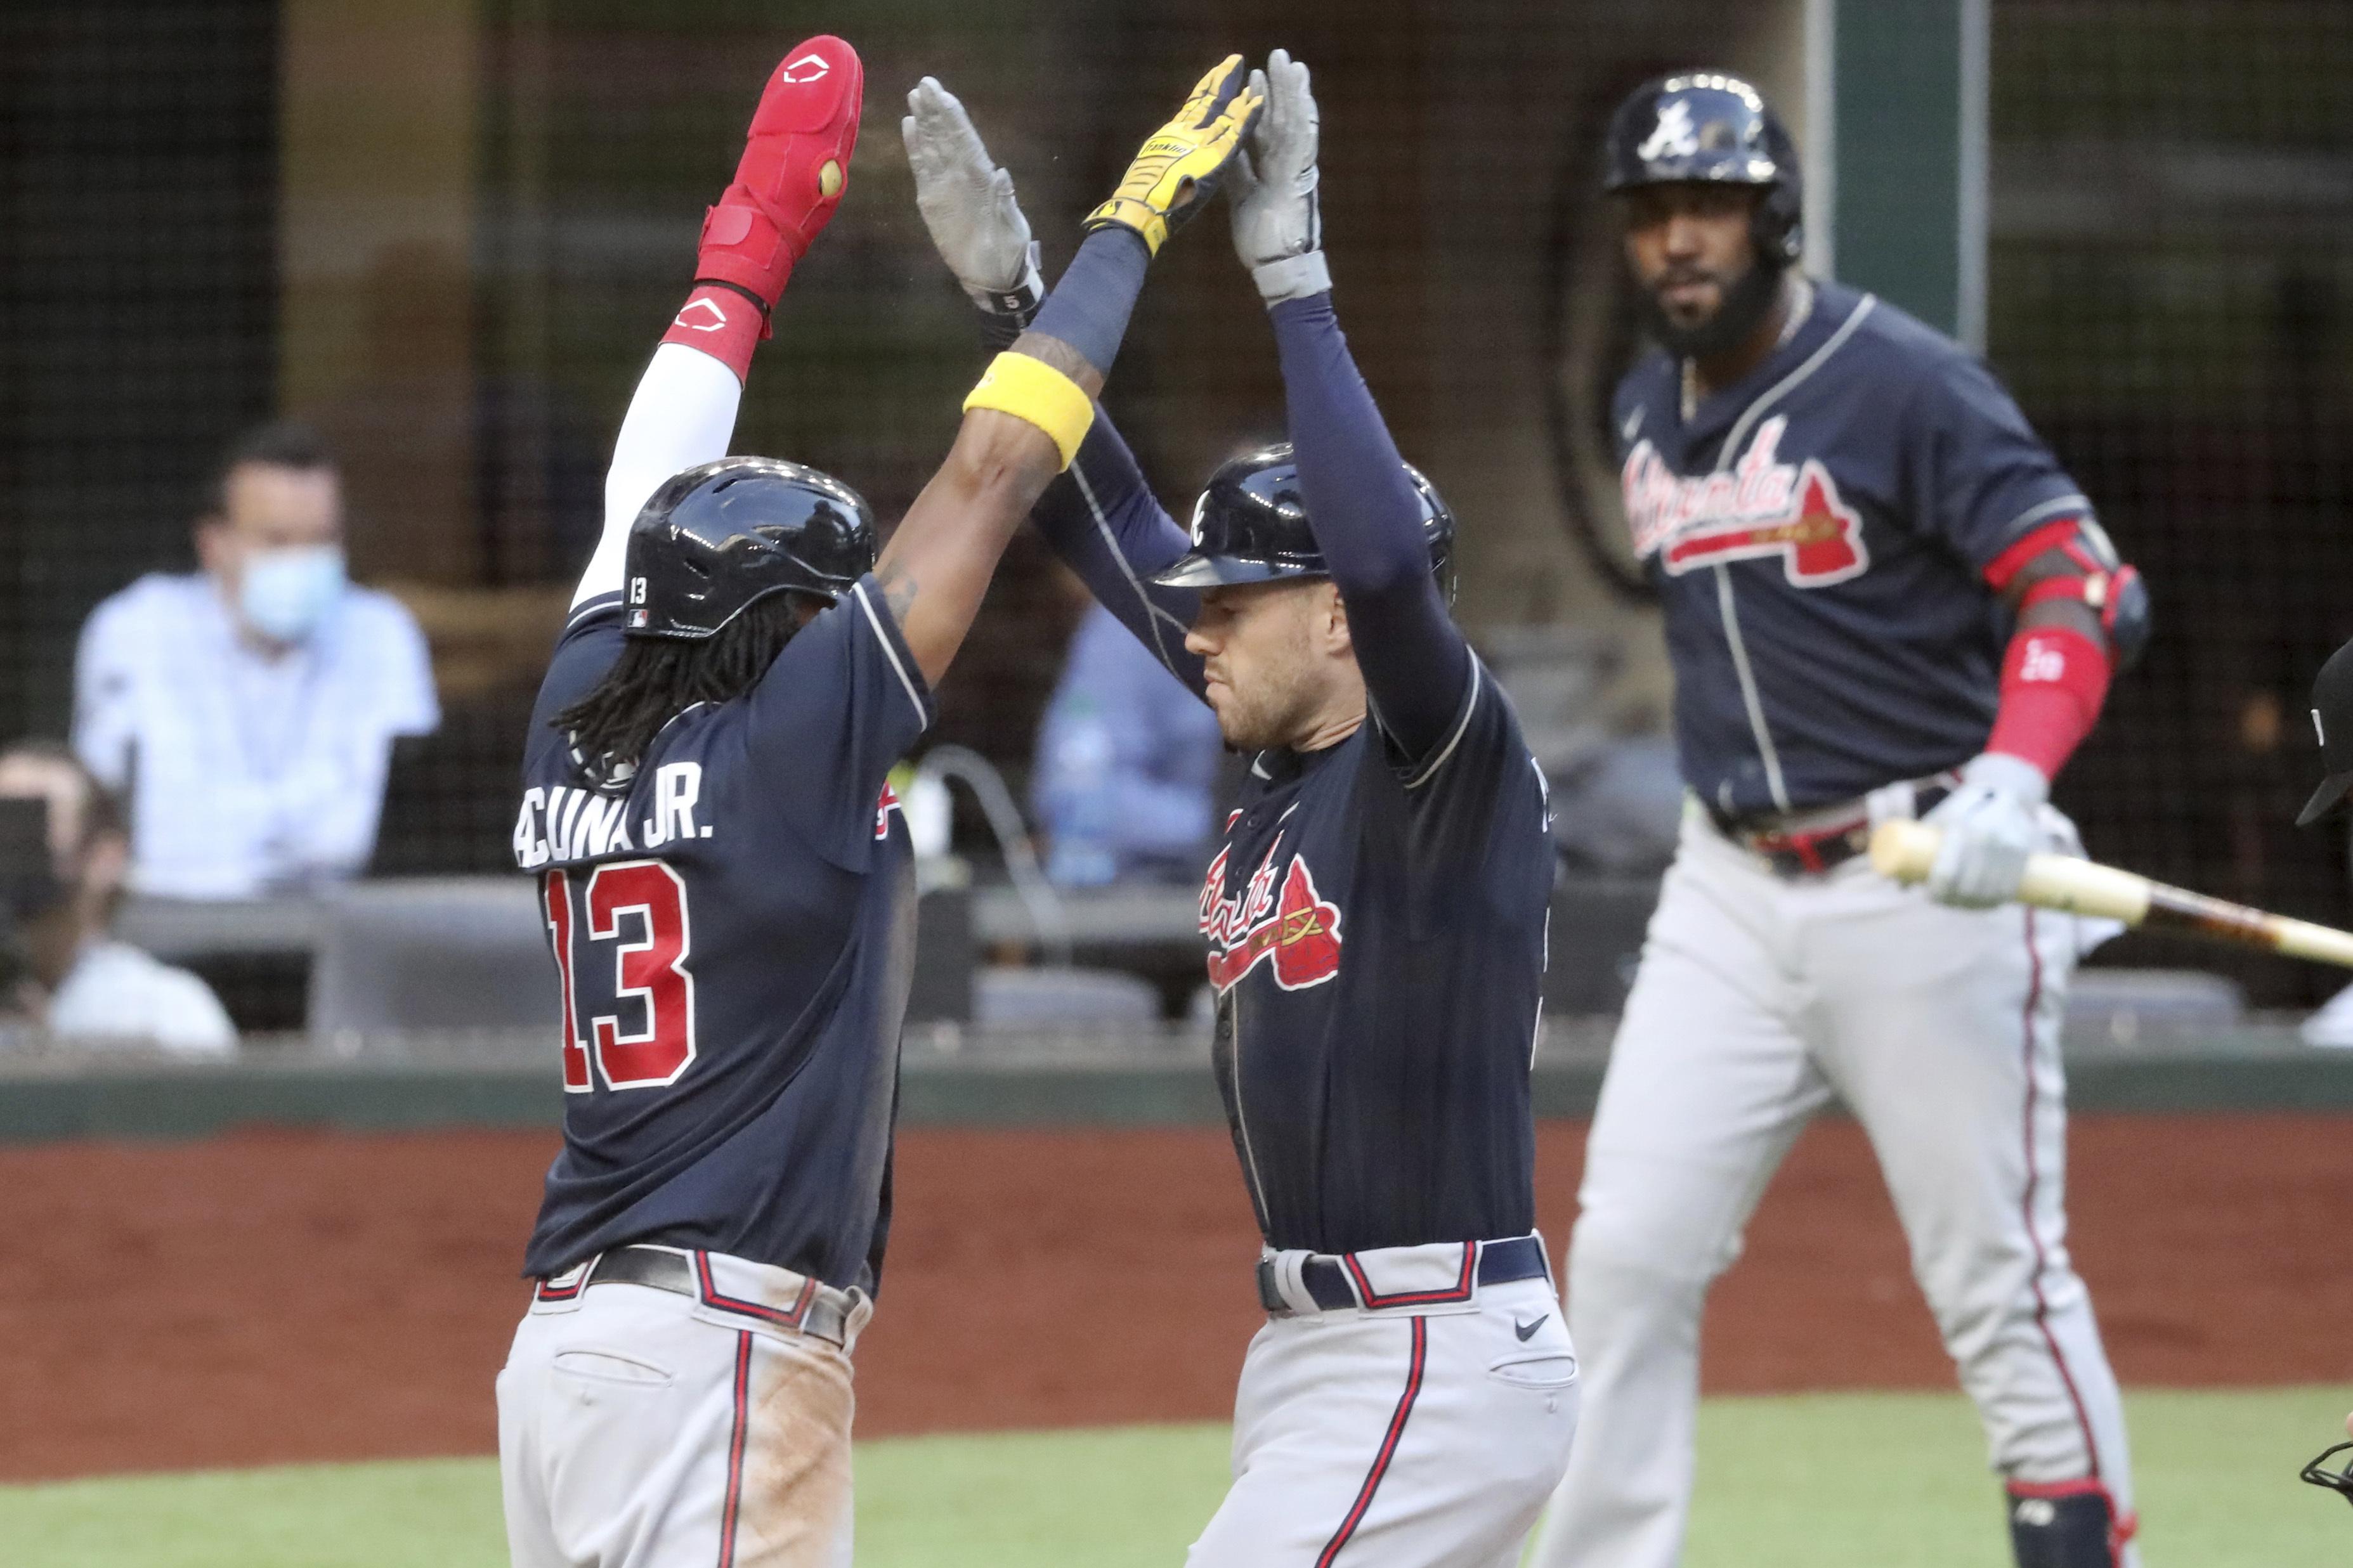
{"x": 1675, "y": 135}
{"x": 1760, "y": 507}
{"x": 1296, "y": 930}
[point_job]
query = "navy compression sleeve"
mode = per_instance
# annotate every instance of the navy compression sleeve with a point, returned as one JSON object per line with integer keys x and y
{"x": 1103, "y": 522}
{"x": 1090, "y": 306}
{"x": 1367, "y": 520}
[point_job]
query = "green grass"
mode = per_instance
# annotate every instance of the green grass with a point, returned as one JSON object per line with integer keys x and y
{"x": 1821, "y": 1481}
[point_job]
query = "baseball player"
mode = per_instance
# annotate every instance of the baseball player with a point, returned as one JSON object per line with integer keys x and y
{"x": 1884, "y": 599}
{"x": 727, "y": 885}
{"x": 1375, "y": 918}
{"x": 2332, "y": 730}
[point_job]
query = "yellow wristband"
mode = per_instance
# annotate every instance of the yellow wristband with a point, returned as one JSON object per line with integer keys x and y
{"x": 1032, "y": 390}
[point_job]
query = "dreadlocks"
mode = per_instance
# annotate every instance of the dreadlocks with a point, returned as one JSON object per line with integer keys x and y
{"x": 657, "y": 679}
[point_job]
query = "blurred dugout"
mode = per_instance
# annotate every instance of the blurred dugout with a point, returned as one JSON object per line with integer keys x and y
{"x": 435, "y": 227}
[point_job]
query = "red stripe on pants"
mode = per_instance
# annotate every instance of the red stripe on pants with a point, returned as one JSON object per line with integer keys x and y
{"x": 735, "y": 1449}
{"x": 2034, "y": 1177}
{"x": 1388, "y": 1447}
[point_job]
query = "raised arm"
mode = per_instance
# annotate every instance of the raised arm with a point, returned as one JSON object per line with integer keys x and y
{"x": 683, "y": 414}
{"x": 1026, "y": 419}
{"x": 1035, "y": 402}
{"x": 1100, "y": 516}
{"x": 787, "y": 184}
{"x": 1104, "y": 522}
{"x": 1362, "y": 503}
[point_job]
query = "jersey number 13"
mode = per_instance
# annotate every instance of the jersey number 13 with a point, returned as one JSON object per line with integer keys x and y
{"x": 634, "y": 911}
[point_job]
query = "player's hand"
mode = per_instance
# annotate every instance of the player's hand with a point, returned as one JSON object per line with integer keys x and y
{"x": 1177, "y": 171}
{"x": 1991, "y": 826}
{"x": 967, "y": 203}
{"x": 1277, "y": 220}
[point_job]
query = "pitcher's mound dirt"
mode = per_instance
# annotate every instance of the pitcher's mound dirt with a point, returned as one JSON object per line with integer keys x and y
{"x": 272, "y": 1297}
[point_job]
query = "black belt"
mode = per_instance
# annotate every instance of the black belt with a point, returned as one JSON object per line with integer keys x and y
{"x": 1792, "y": 853}
{"x": 1330, "y": 1279}
{"x": 820, "y": 1313}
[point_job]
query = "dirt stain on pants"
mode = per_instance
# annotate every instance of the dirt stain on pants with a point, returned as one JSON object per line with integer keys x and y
{"x": 794, "y": 1507}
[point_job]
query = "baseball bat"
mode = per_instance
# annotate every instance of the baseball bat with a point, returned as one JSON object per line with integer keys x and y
{"x": 1905, "y": 850}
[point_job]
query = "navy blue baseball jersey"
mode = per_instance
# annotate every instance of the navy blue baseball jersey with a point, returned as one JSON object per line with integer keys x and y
{"x": 733, "y": 932}
{"x": 1376, "y": 940}
{"x": 1375, "y": 917}
{"x": 1818, "y": 534}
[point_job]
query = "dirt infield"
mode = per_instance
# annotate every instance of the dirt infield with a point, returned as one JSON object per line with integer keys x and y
{"x": 287, "y": 1296}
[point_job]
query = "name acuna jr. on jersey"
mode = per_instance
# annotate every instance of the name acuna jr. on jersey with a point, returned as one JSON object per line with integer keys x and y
{"x": 563, "y": 823}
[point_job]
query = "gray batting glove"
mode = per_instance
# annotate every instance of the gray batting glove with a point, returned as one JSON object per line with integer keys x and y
{"x": 1277, "y": 224}
{"x": 968, "y": 204}
{"x": 1991, "y": 824}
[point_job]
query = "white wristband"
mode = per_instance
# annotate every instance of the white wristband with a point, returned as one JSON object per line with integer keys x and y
{"x": 1293, "y": 278}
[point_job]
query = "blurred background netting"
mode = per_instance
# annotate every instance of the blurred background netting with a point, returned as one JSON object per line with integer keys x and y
{"x": 449, "y": 232}
{"x": 2170, "y": 294}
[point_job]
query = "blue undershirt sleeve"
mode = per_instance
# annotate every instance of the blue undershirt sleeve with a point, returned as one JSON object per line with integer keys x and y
{"x": 1103, "y": 522}
{"x": 1367, "y": 522}
{"x": 1090, "y": 306}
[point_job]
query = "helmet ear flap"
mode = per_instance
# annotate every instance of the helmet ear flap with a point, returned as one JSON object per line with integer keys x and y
{"x": 1776, "y": 229}
{"x": 1780, "y": 227}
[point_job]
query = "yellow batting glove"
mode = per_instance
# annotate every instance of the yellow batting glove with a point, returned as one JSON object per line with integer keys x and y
{"x": 1176, "y": 171}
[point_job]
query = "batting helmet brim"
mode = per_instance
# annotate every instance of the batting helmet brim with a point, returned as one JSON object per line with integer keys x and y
{"x": 2332, "y": 789}
{"x": 1201, "y": 569}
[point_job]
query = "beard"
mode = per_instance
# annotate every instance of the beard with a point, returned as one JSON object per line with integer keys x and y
{"x": 1265, "y": 715}
{"x": 1270, "y": 707}
{"x": 1745, "y": 304}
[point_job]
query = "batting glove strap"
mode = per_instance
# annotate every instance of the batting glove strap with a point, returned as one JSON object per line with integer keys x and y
{"x": 1028, "y": 292}
{"x": 1006, "y": 313}
{"x": 1145, "y": 219}
{"x": 1991, "y": 824}
{"x": 1293, "y": 278}
{"x": 2007, "y": 774}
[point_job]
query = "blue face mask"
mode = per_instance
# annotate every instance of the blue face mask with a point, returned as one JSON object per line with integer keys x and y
{"x": 285, "y": 593}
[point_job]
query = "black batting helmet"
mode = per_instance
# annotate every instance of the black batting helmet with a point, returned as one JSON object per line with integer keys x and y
{"x": 1710, "y": 129}
{"x": 1249, "y": 525}
{"x": 725, "y": 534}
{"x": 2332, "y": 727}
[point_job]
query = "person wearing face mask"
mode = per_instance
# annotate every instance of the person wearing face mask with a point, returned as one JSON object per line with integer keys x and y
{"x": 62, "y": 972}
{"x": 248, "y": 710}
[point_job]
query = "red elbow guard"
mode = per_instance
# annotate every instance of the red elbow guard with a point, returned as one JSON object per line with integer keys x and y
{"x": 2054, "y": 680}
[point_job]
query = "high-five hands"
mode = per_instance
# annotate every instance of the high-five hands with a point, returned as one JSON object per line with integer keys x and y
{"x": 968, "y": 204}
{"x": 1277, "y": 224}
{"x": 1260, "y": 134}
{"x": 1177, "y": 169}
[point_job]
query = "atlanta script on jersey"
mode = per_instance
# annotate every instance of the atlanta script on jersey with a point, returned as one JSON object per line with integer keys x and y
{"x": 1298, "y": 932}
{"x": 1377, "y": 942}
{"x": 733, "y": 932}
{"x": 1819, "y": 534}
